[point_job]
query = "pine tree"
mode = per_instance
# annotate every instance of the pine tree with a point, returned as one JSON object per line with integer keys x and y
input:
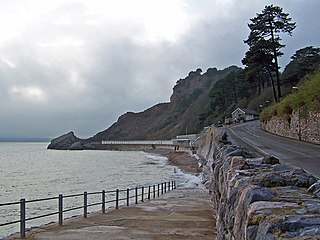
{"x": 264, "y": 41}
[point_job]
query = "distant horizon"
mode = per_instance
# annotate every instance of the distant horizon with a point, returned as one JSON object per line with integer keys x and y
{"x": 24, "y": 139}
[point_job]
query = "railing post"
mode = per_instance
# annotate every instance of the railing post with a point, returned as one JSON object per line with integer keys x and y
{"x": 117, "y": 198}
{"x": 22, "y": 218}
{"x": 103, "y": 201}
{"x": 142, "y": 194}
{"x": 168, "y": 186}
{"x": 85, "y": 204}
{"x": 128, "y": 197}
{"x": 154, "y": 191}
{"x": 149, "y": 192}
{"x": 158, "y": 189}
{"x": 161, "y": 188}
{"x": 136, "y": 195}
{"x": 60, "y": 209}
{"x": 165, "y": 187}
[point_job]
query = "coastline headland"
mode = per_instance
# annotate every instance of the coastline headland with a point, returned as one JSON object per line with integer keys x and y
{"x": 69, "y": 141}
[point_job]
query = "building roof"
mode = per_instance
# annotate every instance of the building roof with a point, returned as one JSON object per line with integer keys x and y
{"x": 246, "y": 111}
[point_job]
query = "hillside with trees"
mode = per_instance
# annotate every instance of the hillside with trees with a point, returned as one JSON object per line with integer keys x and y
{"x": 239, "y": 90}
{"x": 260, "y": 83}
{"x": 202, "y": 99}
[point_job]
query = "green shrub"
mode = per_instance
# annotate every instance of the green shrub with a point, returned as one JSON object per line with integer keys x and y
{"x": 284, "y": 107}
{"x": 307, "y": 97}
{"x": 268, "y": 113}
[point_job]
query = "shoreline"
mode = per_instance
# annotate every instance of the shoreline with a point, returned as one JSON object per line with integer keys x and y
{"x": 183, "y": 160}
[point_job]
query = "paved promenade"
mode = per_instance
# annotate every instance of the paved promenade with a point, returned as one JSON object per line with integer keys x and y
{"x": 179, "y": 214}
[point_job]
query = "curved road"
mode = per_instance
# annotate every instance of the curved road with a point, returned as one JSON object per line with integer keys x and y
{"x": 290, "y": 151}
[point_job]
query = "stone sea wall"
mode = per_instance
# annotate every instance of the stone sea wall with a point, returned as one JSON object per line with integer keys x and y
{"x": 258, "y": 198}
{"x": 305, "y": 124}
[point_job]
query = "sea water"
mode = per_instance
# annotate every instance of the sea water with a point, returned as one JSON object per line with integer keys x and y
{"x": 30, "y": 171}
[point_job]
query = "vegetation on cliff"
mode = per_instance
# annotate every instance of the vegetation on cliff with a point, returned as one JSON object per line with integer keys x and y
{"x": 305, "y": 99}
{"x": 231, "y": 91}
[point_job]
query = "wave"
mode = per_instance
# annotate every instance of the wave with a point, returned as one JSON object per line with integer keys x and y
{"x": 187, "y": 180}
{"x": 155, "y": 159}
{"x": 184, "y": 180}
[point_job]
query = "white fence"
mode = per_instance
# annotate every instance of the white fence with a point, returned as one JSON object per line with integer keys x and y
{"x": 139, "y": 142}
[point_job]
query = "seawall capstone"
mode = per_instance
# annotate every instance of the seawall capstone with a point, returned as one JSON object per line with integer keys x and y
{"x": 258, "y": 198}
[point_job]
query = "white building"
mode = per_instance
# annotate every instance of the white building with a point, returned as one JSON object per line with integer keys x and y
{"x": 242, "y": 114}
{"x": 187, "y": 141}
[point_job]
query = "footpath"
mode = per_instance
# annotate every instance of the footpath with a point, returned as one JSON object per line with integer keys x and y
{"x": 178, "y": 214}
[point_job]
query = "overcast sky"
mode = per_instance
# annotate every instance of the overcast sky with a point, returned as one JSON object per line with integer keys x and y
{"x": 79, "y": 64}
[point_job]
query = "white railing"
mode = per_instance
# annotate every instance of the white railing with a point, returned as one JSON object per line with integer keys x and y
{"x": 139, "y": 142}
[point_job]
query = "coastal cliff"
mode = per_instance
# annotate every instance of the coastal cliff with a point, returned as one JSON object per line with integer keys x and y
{"x": 166, "y": 120}
{"x": 258, "y": 198}
{"x": 189, "y": 99}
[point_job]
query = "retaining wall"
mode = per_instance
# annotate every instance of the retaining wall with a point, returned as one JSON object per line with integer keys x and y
{"x": 258, "y": 198}
{"x": 305, "y": 124}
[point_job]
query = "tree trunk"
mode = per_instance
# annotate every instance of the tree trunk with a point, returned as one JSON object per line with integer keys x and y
{"x": 276, "y": 65}
{"x": 273, "y": 86}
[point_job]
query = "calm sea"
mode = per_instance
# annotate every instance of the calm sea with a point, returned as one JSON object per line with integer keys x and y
{"x": 29, "y": 170}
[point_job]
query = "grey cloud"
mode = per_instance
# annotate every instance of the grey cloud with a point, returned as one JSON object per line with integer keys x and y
{"x": 102, "y": 71}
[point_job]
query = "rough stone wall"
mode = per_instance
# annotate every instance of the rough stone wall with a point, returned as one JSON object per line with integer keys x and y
{"x": 288, "y": 126}
{"x": 258, "y": 198}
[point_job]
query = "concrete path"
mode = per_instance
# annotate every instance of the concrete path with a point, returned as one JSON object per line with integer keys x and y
{"x": 179, "y": 214}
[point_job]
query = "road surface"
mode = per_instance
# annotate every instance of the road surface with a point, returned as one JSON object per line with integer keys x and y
{"x": 293, "y": 152}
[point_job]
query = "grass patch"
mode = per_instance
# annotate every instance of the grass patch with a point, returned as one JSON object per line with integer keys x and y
{"x": 306, "y": 97}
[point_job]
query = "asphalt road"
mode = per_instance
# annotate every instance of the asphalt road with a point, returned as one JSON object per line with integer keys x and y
{"x": 293, "y": 152}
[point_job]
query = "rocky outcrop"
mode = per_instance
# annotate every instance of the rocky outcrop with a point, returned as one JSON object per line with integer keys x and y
{"x": 64, "y": 142}
{"x": 69, "y": 141}
{"x": 303, "y": 125}
{"x": 258, "y": 198}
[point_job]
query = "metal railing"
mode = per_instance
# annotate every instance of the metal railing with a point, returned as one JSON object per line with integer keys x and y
{"x": 118, "y": 197}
